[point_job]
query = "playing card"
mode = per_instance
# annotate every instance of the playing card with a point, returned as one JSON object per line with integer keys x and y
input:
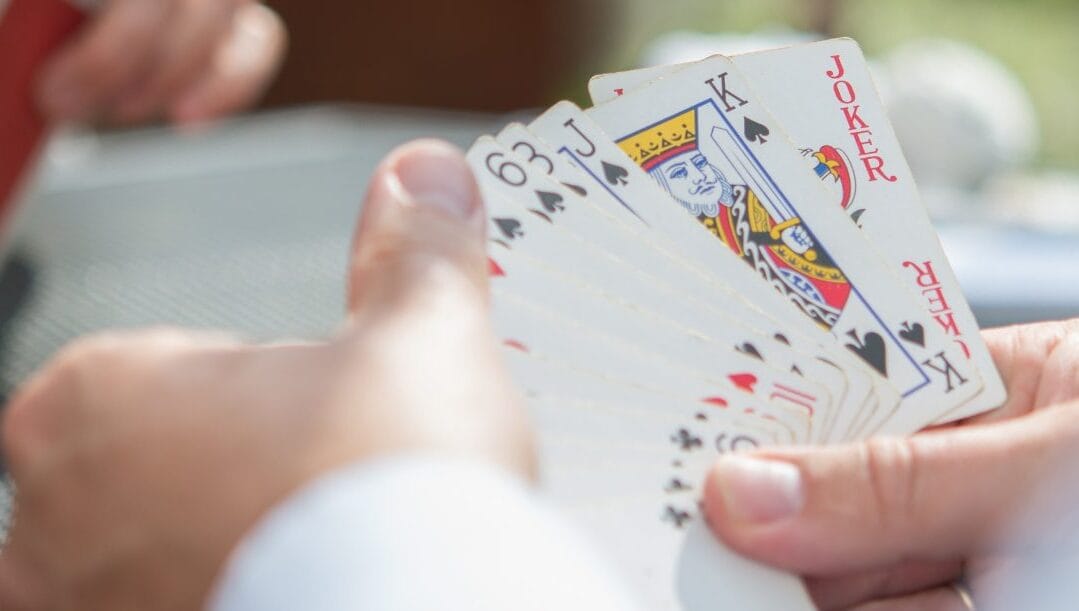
{"x": 535, "y": 328}
{"x": 619, "y": 301}
{"x": 728, "y": 322}
{"x": 30, "y": 30}
{"x": 675, "y": 563}
{"x": 824, "y": 95}
{"x": 567, "y": 124}
{"x": 639, "y": 498}
{"x": 722, "y": 157}
{"x": 649, "y": 342}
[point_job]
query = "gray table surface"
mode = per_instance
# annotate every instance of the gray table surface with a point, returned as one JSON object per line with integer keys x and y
{"x": 246, "y": 227}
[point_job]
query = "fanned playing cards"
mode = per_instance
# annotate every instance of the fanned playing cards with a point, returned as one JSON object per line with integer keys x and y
{"x": 718, "y": 256}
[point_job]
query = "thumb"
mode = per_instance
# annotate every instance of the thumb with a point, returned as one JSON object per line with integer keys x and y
{"x": 421, "y": 233}
{"x": 934, "y": 496}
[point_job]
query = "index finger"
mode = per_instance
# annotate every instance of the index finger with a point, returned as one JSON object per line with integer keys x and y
{"x": 1026, "y": 357}
{"x": 104, "y": 58}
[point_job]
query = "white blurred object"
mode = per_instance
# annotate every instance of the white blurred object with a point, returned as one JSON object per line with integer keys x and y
{"x": 680, "y": 47}
{"x": 1048, "y": 201}
{"x": 961, "y": 116}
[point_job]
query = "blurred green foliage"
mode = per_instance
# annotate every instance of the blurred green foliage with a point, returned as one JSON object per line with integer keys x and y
{"x": 1038, "y": 39}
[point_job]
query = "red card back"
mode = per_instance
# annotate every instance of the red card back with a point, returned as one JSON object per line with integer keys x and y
{"x": 29, "y": 31}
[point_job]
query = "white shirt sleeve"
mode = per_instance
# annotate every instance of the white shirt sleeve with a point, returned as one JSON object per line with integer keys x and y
{"x": 417, "y": 533}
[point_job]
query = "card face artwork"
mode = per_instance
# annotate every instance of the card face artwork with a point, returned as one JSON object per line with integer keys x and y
{"x": 825, "y": 98}
{"x": 702, "y": 136}
{"x": 718, "y": 257}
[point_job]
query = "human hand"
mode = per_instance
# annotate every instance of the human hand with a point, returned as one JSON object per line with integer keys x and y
{"x": 889, "y": 524}
{"x": 141, "y": 459}
{"x": 185, "y": 60}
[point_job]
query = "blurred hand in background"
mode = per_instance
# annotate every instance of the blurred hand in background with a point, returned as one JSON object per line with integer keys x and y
{"x": 187, "y": 61}
{"x": 142, "y": 459}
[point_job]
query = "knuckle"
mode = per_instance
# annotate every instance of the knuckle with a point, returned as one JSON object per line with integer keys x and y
{"x": 396, "y": 269}
{"x": 100, "y": 65}
{"x": 890, "y": 471}
{"x": 89, "y": 375}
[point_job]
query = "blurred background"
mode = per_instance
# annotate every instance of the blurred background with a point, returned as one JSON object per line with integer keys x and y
{"x": 244, "y": 225}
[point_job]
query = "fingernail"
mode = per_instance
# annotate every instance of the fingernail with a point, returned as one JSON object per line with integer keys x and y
{"x": 758, "y": 490}
{"x": 437, "y": 175}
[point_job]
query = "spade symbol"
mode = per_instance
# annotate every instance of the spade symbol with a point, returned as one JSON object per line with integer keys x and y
{"x": 578, "y": 189}
{"x": 751, "y": 350}
{"x": 511, "y": 228}
{"x": 616, "y": 175}
{"x": 552, "y": 202}
{"x": 914, "y": 334}
{"x": 871, "y": 350}
{"x": 755, "y": 132}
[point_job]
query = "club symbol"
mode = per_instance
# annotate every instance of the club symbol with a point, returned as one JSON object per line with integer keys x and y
{"x": 676, "y": 516}
{"x": 686, "y": 441}
{"x": 677, "y": 485}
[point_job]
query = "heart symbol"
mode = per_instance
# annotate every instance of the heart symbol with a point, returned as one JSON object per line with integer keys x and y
{"x": 745, "y": 381}
{"x": 716, "y": 401}
{"x": 516, "y": 345}
{"x": 914, "y": 334}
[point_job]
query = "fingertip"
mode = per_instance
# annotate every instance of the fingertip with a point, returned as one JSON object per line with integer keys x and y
{"x": 435, "y": 174}
{"x": 752, "y": 504}
{"x": 422, "y": 215}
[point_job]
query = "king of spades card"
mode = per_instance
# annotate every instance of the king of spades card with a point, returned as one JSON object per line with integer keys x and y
{"x": 774, "y": 242}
